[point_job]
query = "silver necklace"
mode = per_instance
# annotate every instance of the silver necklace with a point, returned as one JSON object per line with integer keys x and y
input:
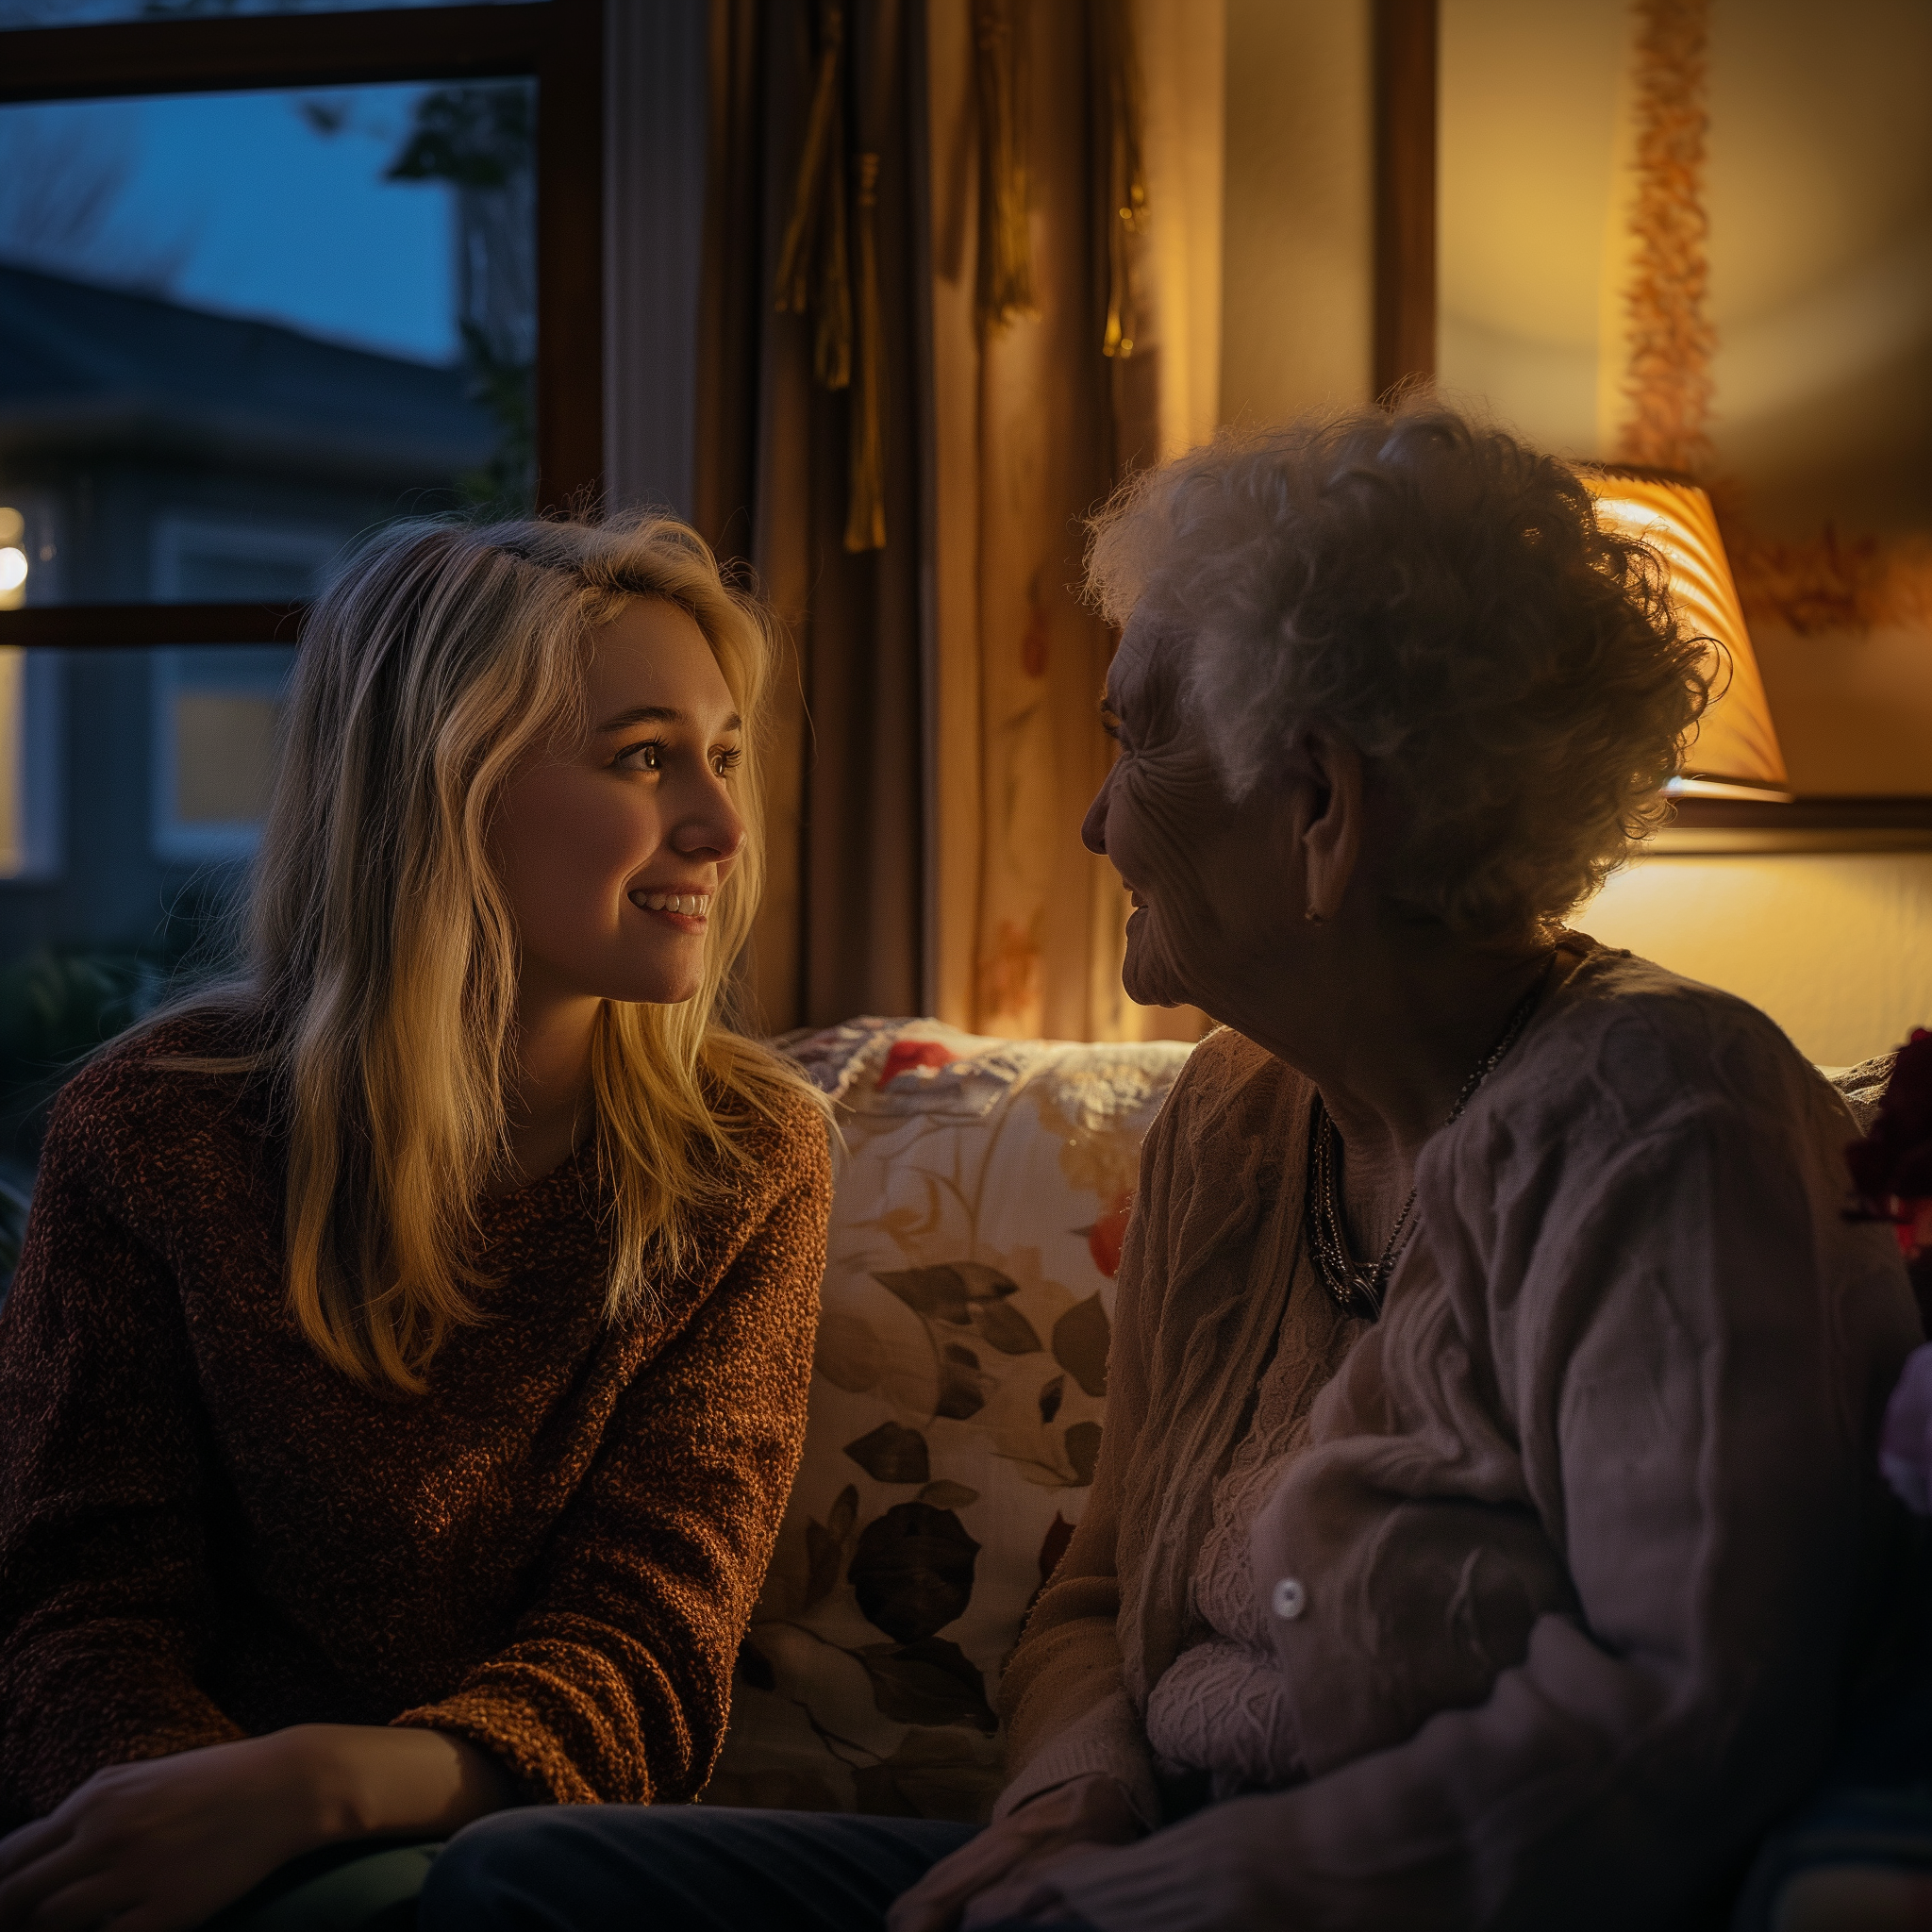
{"x": 1358, "y": 1287}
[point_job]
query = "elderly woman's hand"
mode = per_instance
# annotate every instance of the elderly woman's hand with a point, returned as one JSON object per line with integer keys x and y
{"x": 1003, "y": 1872}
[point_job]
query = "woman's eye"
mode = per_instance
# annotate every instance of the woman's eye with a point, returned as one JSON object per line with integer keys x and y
{"x": 648, "y": 756}
{"x": 723, "y": 762}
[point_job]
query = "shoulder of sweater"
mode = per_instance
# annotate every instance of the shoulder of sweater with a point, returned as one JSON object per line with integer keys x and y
{"x": 1654, "y": 1046}
{"x": 786, "y": 1144}
{"x": 127, "y": 1095}
{"x": 1223, "y": 1078}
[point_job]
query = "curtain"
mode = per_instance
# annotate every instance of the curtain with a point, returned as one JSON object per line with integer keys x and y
{"x": 842, "y": 928}
{"x": 961, "y": 274}
{"x": 1114, "y": 127}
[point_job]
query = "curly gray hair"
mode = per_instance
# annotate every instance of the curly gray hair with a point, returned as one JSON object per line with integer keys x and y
{"x": 1444, "y": 595}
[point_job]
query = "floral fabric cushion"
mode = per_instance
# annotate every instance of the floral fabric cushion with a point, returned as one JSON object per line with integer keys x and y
{"x": 955, "y": 1411}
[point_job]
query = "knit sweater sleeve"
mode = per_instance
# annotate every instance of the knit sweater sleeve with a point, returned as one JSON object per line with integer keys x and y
{"x": 616, "y": 1685}
{"x": 105, "y": 1489}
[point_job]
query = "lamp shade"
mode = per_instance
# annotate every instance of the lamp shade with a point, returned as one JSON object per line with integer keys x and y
{"x": 1735, "y": 753}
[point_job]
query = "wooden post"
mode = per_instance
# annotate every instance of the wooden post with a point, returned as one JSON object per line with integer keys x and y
{"x": 570, "y": 257}
{"x": 1404, "y": 122}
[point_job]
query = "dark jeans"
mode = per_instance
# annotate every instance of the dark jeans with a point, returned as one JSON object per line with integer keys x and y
{"x": 679, "y": 1867}
{"x": 1874, "y": 1809}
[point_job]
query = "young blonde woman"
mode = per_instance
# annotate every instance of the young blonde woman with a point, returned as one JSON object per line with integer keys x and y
{"x": 407, "y": 1361}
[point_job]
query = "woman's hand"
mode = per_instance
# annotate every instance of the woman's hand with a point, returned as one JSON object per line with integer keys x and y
{"x": 164, "y": 1843}
{"x": 1006, "y": 1871}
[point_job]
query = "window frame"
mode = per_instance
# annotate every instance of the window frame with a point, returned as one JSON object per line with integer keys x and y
{"x": 558, "y": 43}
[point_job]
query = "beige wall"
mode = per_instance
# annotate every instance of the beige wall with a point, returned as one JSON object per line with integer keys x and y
{"x": 1298, "y": 223}
{"x": 1837, "y": 948}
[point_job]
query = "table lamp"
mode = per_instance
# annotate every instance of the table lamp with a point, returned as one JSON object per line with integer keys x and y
{"x": 1734, "y": 753}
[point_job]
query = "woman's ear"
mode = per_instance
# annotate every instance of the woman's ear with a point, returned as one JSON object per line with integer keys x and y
{"x": 1331, "y": 836}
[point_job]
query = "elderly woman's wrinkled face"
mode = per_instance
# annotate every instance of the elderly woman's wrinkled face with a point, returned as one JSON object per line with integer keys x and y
{"x": 1203, "y": 869}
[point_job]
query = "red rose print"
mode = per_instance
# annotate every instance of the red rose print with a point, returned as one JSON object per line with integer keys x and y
{"x": 907, "y": 1056}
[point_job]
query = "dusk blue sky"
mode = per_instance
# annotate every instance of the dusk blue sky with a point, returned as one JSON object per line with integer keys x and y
{"x": 264, "y": 215}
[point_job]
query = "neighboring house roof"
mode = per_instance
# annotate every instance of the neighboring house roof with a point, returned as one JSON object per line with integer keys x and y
{"x": 89, "y": 368}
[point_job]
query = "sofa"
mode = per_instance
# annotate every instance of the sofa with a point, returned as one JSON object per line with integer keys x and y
{"x": 960, "y": 1384}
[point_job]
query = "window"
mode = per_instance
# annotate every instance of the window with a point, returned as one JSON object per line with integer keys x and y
{"x": 217, "y": 718}
{"x": 30, "y": 551}
{"x": 272, "y": 274}
{"x": 210, "y": 561}
{"x": 139, "y": 141}
{"x": 31, "y": 734}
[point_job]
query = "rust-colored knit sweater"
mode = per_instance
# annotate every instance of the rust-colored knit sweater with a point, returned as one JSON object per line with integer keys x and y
{"x": 205, "y": 1532}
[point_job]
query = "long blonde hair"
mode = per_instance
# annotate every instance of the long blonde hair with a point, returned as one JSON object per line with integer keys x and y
{"x": 380, "y": 983}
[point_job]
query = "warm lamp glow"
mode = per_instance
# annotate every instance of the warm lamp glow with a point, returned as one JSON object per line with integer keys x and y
{"x": 13, "y": 565}
{"x": 1735, "y": 753}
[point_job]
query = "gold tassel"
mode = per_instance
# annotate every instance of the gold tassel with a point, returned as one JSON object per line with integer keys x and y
{"x": 865, "y": 517}
{"x": 1005, "y": 254}
{"x": 818, "y": 205}
{"x": 1125, "y": 210}
{"x": 831, "y": 356}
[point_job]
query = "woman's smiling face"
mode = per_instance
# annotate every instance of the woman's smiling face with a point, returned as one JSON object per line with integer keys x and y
{"x": 1203, "y": 869}
{"x": 611, "y": 851}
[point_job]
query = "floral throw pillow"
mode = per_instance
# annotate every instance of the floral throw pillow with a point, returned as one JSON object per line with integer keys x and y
{"x": 956, "y": 1409}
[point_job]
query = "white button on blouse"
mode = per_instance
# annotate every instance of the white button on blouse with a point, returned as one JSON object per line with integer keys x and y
{"x": 1291, "y": 1599}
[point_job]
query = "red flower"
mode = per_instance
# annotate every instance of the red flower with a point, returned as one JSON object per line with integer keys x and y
{"x": 1106, "y": 1236}
{"x": 906, "y": 1055}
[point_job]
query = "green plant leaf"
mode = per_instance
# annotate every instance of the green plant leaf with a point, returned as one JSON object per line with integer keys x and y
{"x": 755, "y": 1667}
{"x": 825, "y": 1546}
{"x": 940, "y": 1770}
{"x": 1052, "y": 1545}
{"x": 931, "y": 1681}
{"x": 984, "y": 1284}
{"x": 1083, "y": 1451}
{"x": 823, "y": 1553}
{"x": 960, "y": 1393}
{"x": 1079, "y": 1345}
{"x": 945, "y": 1495}
{"x": 938, "y": 1293}
{"x": 1051, "y": 1395}
{"x": 847, "y": 1354}
{"x": 843, "y": 1512}
{"x": 1001, "y": 1325}
{"x": 948, "y": 1291}
{"x": 892, "y": 1454}
{"x": 912, "y": 1570}
{"x": 876, "y": 1790}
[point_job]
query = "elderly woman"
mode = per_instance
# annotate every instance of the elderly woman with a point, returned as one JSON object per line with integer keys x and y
{"x": 1487, "y": 1526}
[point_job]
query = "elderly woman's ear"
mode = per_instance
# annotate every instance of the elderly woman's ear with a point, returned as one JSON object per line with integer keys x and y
{"x": 1327, "y": 803}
